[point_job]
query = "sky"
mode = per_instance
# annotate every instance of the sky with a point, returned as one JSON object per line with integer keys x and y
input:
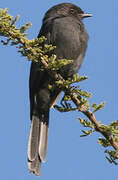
{"x": 69, "y": 156}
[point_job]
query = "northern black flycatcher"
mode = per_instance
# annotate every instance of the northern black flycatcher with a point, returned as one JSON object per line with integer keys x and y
{"x": 63, "y": 28}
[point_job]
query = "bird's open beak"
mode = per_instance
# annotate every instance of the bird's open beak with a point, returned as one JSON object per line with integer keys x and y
{"x": 86, "y": 15}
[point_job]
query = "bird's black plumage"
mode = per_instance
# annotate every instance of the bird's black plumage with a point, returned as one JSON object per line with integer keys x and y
{"x": 63, "y": 28}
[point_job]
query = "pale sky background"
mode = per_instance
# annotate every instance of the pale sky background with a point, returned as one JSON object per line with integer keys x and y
{"x": 69, "y": 157}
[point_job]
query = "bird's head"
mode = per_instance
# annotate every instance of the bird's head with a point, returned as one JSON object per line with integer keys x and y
{"x": 64, "y": 10}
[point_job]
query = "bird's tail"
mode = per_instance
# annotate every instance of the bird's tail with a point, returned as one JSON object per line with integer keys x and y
{"x": 37, "y": 145}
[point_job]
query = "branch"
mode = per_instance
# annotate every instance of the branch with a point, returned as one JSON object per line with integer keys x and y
{"x": 82, "y": 108}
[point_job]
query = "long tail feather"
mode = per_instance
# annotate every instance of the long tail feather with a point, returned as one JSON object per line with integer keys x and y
{"x": 35, "y": 166}
{"x": 33, "y": 138}
{"x": 37, "y": 145}
{"x": 43, "y": 141}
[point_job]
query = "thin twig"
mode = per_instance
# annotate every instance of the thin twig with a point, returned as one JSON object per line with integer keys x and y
{"x": 92, "y": 118}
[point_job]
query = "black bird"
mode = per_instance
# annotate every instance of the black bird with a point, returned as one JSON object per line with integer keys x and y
{"x": 63, "y": 28}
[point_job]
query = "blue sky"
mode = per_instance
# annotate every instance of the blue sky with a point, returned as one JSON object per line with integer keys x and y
{"x": 69, "y": 156}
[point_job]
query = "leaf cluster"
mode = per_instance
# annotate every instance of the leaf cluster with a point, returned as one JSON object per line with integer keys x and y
{"x": 66, "y": 102}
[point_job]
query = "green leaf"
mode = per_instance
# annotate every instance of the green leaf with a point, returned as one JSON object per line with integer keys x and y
{"x": 77, "y": 78}
{"x": 86, "y": 123}
{"x": 64, "y": 109}
{"x": 87, "y": 133}
{"x": 83, "y": 93}
{"x": 25, "y": 27}
{"x": 59, "y": 82}
{"x": 114, "y": 124}
{"x": 48, "y": 48}
{"x": 98, "y": 107}
{"x": 67, "y": 98}
{"x": 84, "y": 102}
{"x": 104, "y": 142}
{"x": 115, "y": 138}
{"x": 57, "y": 64}
{"x": 113, "y": 156}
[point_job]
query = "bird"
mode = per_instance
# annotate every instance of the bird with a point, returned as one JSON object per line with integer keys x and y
{"x": 63, "y": 27}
